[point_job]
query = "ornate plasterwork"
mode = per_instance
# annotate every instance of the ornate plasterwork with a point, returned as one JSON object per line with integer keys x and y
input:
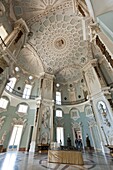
{"x": 2, "y": 121}
{"x": 90, "y": 75}
{"x": 76, "y": 125}
{"x": 19, "y": 121}
{"x": 2, "y": 9}
{"x": 29, "y": 61}
{"x": 3, "y": 138}
{"x": 33, "y": 10}
{"x": 58, "y": 40}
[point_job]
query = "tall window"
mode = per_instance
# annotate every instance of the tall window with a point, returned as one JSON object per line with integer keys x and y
{"x": 58, "y": 97}
{"x": 27, "y": 91}
{"x": 3, "y": 33}
{"x": 3, "y": 103}
{"x": 11, "y": 84}
{"x": 60, "y": 135}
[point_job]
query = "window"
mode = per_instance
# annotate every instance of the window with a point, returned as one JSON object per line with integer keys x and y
{"x": 3, "y": 33}
{"x": 3, "y": 103}
{"x": 60, "y": 135}
{"x": 27, "y": 91}
{"x": 58, "y": 113}
{"x": 22, "y": 108}
{"x": 58, "y": 98}
{"x": 11, "y": 84}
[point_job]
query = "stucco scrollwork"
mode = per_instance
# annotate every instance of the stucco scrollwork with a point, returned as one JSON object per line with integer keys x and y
{"x": 91, "y": 122}
{"x": 2, "y": 121}
{"x": 3, "y": 138}
{"x": 76, "y": 125}
{"x": 2, "y": 9}
{"x": 91, "y": 76}
{"x": 19, "y": 121}
{"x": 59, "y": 122}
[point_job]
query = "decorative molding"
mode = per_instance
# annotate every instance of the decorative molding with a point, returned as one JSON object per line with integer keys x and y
{"x": 74, "y": 113}
{"x": 76, "y": 125}
{"x": 21, "y": 114}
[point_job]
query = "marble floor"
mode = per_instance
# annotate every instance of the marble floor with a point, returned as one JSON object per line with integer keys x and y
{"x": 27, "y": 161}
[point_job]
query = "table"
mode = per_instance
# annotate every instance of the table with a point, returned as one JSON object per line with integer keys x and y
{"x": 65, "y": 156}
{"x": 110, "y": 148}
{"x": 43, "y": 148}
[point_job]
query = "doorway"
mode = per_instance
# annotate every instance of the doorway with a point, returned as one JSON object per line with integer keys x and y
{"x": 15, "y": 138}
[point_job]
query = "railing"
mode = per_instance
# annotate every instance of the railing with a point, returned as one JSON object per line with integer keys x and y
{"x": 19, "y": 94}
{"x": 71, "y": 102}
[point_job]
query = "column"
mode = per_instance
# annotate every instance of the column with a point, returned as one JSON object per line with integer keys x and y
{"x": 45, "y": 124}
{"x": 36, "y": 124}
{"x": 102, "y": 109}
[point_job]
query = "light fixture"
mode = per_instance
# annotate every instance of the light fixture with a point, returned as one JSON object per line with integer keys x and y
{"x": 17, "y": 69}
{"x": 30, "y": 77}
{"x": 57, "y": 85}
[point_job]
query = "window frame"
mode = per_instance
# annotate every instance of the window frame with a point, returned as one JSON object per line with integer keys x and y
{"x": 27, "y": 91}
{"x": 59, "y": 113}
{"x": 10, "y": 86}
{"x": 58, "y": 97}
{"x": 2, "y": 100}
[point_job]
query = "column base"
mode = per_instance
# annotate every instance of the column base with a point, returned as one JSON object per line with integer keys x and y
{"x": 32, "y": 146}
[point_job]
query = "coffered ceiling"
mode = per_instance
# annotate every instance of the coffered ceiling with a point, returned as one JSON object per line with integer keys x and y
{"x": 57, "y": 38}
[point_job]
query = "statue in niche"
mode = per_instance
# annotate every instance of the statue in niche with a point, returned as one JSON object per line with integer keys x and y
{"x": 44, "y": 138}
{"x": 45, "y": 118}
{"x": 103, "y": 110}
{"x": 44, "y": 132}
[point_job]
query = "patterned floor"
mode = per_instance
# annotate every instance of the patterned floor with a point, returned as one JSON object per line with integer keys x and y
{"x": 26, "y": 161}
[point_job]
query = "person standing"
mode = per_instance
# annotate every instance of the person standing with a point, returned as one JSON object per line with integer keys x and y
{"x": 76, "y": 143}
{"x": 60, "y": 142}
{"x": 79, "y": 142}
{"x": 88, "y": 144}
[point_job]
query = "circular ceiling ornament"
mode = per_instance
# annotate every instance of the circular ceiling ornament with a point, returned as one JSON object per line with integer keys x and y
{"x": 60, "y": 43}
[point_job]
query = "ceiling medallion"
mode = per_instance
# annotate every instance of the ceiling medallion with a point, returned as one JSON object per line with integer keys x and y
{"x": 60, "y": 43}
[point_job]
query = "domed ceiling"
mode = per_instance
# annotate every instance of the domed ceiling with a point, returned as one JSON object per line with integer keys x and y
{"x": 57, "y": 37}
